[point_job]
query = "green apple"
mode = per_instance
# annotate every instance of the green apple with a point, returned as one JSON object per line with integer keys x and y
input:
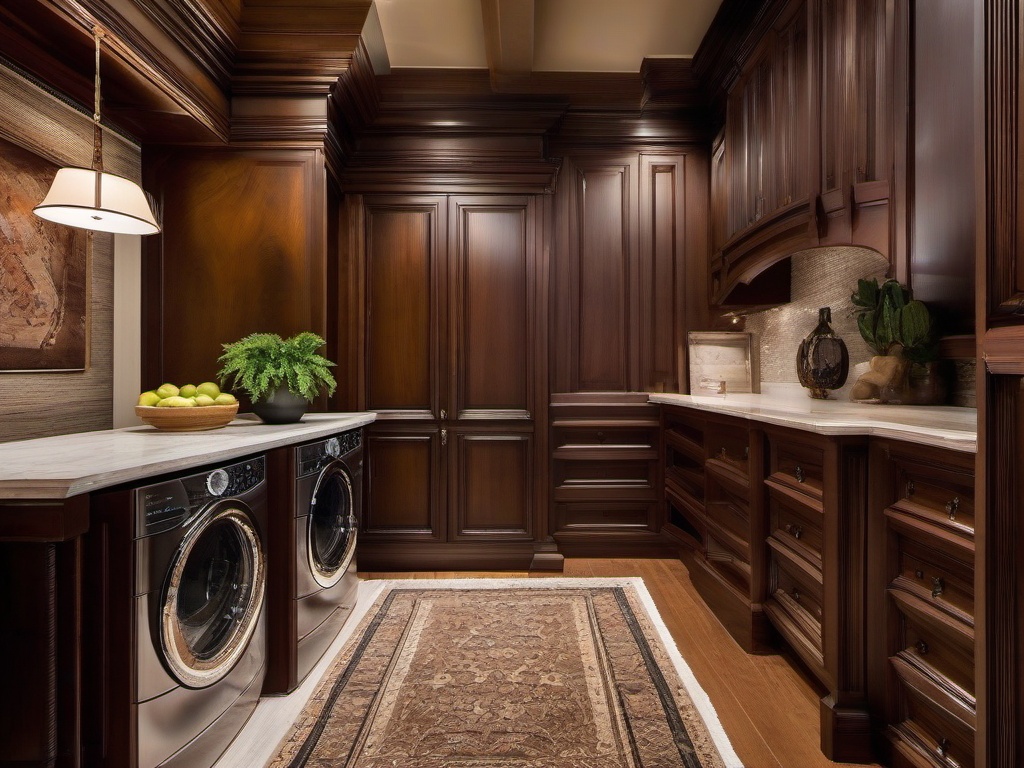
{"x": 167, "y": 390}
{"x": 149, "y": 398}
{"x": 225, "y": 398}
{"x": 189, "y": 390}
{"x": 208, "y": 388}
{"x": 204, "y": 400}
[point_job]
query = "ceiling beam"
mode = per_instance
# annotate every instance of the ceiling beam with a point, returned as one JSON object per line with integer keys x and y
{"x": 508, "y": 36}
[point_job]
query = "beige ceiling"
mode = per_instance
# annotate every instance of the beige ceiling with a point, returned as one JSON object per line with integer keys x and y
{"x": 535, "y": 35}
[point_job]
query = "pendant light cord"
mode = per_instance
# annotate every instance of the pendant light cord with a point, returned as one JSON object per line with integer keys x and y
{"x": 97, "y": 133}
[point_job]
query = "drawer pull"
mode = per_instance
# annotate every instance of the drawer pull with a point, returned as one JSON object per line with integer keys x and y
{"x": 797, "y": 531}
{"x": 943, "y": 747}
{"x": 910, "y": 488}
{"x": 600, "y": 437}
{"x": 799, "y": 472}
{"x": 922, "y": 647}
{"x": 938, "y": 585}
{"x": 919, "y": 574}
{"x": 444, "y": 437}
{"x": 746, "y": 452}
{"x": 952, "y": 507}
{"x": 796, "y": 594}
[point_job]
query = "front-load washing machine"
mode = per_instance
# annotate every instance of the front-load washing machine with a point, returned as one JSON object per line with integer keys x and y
{"x": 326, "y": 498}
{"x": 174, "y": 592}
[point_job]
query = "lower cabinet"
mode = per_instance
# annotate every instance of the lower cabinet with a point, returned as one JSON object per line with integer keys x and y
{"x": 856, "y": 552}
{"x": 817, "y": 509}
{"x": 921, "y": 605}
{"x": 605, "y": 497}
{"x": 448, "y": 498}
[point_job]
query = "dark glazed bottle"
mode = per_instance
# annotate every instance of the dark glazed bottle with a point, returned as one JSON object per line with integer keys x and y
{"x": 822, "y": 362}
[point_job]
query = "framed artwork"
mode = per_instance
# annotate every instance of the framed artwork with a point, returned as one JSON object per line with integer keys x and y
{"x": 44, "y": 269}
{"x": 723, "y": 361}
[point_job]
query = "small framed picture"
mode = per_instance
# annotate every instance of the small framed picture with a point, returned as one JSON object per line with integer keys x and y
{"x": 722, "y": 362}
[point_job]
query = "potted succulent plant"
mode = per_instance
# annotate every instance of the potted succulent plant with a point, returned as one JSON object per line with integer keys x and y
{"x": 900, "y": 331}
{"x": 281, "y": 376}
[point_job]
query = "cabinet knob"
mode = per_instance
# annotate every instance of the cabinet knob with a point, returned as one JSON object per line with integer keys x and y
{"x": 600, "y": 437}
{"x": 938, "y": 586}
{"x": 922, "y": 647}
{"x": 444, "y": 437}
{"x": 796, "y": 594}
{"x": 952, "y": 507}
{"x": 919, "y": 574}
{"x": 910, "y": 488}
{"x": 799, "y": 472}
{"x": 943, "y": 747}
{"x": 444, "y": 414}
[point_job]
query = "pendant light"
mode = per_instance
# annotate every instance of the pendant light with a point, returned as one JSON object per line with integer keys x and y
{"x": 88, "y": 198}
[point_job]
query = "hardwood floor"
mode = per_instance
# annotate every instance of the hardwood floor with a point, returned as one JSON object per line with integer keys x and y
{"x": 768, "y": 707}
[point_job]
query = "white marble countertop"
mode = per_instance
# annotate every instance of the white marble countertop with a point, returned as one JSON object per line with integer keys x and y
{"x": 67, "y": 465}
{"x": 788, "y": 405}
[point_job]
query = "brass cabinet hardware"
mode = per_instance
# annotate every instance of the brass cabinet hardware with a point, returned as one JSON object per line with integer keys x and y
{"x": 799, "y": 472}
{"x": 938, "y": 585}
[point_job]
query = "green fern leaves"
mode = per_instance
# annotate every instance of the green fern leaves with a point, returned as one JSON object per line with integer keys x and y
{"x": 262, "y": 362}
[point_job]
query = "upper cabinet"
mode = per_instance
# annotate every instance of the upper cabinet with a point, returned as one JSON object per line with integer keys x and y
{"x": 806, "y": 155}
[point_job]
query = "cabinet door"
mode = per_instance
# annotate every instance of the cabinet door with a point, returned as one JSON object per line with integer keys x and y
{"x": 491, "y": 484}
{"x": 405, "y": 476}
{"x": 492, "y": 309}
{"x": 790, "y": 88}
{"x": 406, "y": 286}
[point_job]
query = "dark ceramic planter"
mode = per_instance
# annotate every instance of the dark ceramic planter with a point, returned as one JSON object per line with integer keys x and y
{"x": 281, "y": 407}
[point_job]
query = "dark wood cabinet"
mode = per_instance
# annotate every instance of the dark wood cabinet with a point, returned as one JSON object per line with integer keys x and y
{"x": 605, "y": 494}
{"x": 817, "y": 506}
{"x": 452, "y": 317}
{"x": 922, "y": 604}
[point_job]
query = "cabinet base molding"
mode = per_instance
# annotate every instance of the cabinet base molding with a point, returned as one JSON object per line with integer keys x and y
{"x": 845, "y": 733}
{"x": 455, "y": 556}
{"x": 745, "y": 621}
{"x": 613, "y": 544}
{"x": 546, "y": 557}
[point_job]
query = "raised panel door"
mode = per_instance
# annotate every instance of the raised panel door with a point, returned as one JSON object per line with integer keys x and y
{"x": 604, "y": 268}
{"x": 492, "y": 338}
{"x": 405, "y": 477}
{"x": 405, "y": 273}
{"x": 492, "y": 485}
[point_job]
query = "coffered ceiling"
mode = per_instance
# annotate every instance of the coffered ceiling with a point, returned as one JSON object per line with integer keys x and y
{"x": 523, "y": 36}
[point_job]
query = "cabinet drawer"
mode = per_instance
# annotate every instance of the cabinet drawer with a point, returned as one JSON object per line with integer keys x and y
{"x": 934, "y": 725}
{"x": 727, "y": 556}
{"x": 687, "y": 519}
{"x": 796, "y": 588}
{"x": 939, "y": 645}
{"x": 730, "y": 512}
{"x": 729, "y": 447}
{"x": 797, "y": 525}
{"x": 605, "y": 436}
{"x": 931, "y": 574}
{"x": 940, "y": 501}
{"x": 798, "y": 466}
{"x": 605, "y": 474}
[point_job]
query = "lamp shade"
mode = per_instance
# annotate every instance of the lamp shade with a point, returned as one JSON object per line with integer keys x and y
{"x": 80, "y": 197}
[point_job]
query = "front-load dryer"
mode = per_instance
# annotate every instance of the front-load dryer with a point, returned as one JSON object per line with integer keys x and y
{"x": 176, "y": 589}
{"x": 326, "y": 478}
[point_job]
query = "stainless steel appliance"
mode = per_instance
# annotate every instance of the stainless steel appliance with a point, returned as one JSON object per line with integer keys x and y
{"x": 184, "y": 582}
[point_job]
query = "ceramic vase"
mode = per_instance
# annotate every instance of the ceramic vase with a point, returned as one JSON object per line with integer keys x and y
{"x": 281, "y": 407}
{"x": 822, "y": 362}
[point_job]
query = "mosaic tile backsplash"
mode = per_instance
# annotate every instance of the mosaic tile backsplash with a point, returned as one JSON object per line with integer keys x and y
{"x": 825, "y": 277}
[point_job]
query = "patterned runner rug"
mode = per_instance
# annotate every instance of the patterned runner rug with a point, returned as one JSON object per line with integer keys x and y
{"x": 509, "y": 674}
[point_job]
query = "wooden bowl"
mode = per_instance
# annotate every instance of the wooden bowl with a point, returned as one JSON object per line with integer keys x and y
{"x": 192, "y": 419}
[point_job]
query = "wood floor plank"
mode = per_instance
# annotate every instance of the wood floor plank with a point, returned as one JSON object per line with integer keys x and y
{"x": 767, "y": 705}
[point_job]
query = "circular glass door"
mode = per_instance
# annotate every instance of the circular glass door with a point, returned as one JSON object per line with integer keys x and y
{"x": 331, "y": 532}
{"x": 213, "y": 596}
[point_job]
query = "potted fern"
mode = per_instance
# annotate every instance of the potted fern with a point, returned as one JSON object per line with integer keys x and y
{"x": 900, "y": 331}
{"x": 281, "y": 376}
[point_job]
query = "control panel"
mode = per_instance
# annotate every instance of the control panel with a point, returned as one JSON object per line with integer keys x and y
{"x": 315, "y": 456}
{"x": 167, "y": 505}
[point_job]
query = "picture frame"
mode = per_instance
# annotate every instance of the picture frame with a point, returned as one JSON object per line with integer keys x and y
{"x": 723, "y": 362}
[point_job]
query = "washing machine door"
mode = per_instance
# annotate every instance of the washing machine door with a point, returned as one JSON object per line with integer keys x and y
{"x": 213, "y": 595}
{"x": 331, "y": 533}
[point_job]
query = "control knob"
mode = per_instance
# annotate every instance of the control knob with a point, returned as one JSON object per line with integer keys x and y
{"x": 333, "y": 448}
{"x": 217, "y": 482}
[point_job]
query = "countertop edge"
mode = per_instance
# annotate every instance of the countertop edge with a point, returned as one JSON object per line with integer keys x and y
{"x": 835, "y": 426}
{"x": 272, "y": 436}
